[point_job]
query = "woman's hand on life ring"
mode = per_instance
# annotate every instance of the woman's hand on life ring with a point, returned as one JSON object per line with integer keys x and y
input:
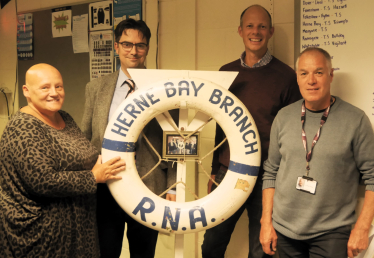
{"x": 108, "y": 170}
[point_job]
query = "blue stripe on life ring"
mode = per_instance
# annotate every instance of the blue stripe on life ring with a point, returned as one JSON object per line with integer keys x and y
{"x": 243, "y": 169}
{"x": 118, "y": 146}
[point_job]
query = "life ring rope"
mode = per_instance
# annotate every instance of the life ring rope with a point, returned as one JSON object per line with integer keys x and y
{"x": 171, "y": 122}
{"x": 158, "y": 155}
{"x": 199, "y": 161}
{"x": 183, "y": 183}
{"x": 201, "y": 165}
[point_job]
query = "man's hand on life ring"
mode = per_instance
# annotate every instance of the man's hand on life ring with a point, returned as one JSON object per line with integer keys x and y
{"x": 210, "y": 183}
{"x": 171, "y": 197}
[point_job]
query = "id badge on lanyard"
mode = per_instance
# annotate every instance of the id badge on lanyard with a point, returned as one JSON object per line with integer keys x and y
{"x": 306, "y": 183}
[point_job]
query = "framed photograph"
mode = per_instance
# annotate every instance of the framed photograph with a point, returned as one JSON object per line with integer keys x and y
{"x": 174, "y": 146}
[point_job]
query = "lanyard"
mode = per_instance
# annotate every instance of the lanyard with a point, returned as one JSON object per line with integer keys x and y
{"x": 316, "y": 137}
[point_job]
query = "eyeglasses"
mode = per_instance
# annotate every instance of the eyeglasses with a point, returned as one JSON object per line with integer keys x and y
{"x": 127, "y": 46}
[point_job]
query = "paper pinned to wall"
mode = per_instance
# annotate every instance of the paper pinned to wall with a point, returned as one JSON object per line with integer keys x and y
{"x": 80, "y": 33}
{"x": 25, "y": 42}
{"x": 124, "y": 9}
{"x": 101, "y": 53}
{"x": 61, "y": 22}
{"x": 101, "y": 15}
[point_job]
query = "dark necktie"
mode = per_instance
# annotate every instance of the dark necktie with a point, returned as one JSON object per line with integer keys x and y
{"x": 131, "y": 85}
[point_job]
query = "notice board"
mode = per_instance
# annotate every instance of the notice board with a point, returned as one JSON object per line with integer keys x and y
{"x": 58, "y": 52}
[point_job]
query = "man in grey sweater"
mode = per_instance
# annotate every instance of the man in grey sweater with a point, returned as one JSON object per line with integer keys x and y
{"x": 313, "y": 170}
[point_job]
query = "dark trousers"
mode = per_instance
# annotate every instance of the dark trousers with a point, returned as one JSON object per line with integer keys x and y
{"x": 111, "y": 221}
{"x": 332, "y": 244}
{"x": 217, "y": 238}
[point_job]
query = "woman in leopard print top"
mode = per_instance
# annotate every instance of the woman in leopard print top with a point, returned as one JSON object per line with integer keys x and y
{"x": 48, "y": 177}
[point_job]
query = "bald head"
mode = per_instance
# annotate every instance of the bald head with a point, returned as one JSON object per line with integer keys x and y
{"x": 38, "y": 72}
{"x": 44, "y": 88}
{"x": 256, "y": 7}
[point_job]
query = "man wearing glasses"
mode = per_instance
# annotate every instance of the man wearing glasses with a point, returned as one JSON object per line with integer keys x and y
{"x": 103, "y": 96}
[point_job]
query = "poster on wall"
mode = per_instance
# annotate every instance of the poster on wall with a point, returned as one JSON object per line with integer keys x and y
{"x": 25, "y": 49}
{"x": 80, "y": 34}
{"x": 61, "y": 22}
{"x": 124, "y": 9}
{"x": 101, "y": 15}
{"x": 101, "y": 53}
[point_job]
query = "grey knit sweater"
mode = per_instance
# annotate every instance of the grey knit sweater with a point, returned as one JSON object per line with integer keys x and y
{"x": 345, "y": 148}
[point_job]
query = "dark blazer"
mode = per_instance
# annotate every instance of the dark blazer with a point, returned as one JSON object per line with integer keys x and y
{"x": 99, "y": 94}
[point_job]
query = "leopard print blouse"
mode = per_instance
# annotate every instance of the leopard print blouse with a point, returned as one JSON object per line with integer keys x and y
{"x": 47, "y": 191}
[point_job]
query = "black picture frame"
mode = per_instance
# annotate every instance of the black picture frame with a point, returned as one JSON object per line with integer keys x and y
{"x": 174, "y": 145}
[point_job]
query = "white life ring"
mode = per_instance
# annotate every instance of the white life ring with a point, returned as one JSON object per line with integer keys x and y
{"x": 245, "y": 150}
